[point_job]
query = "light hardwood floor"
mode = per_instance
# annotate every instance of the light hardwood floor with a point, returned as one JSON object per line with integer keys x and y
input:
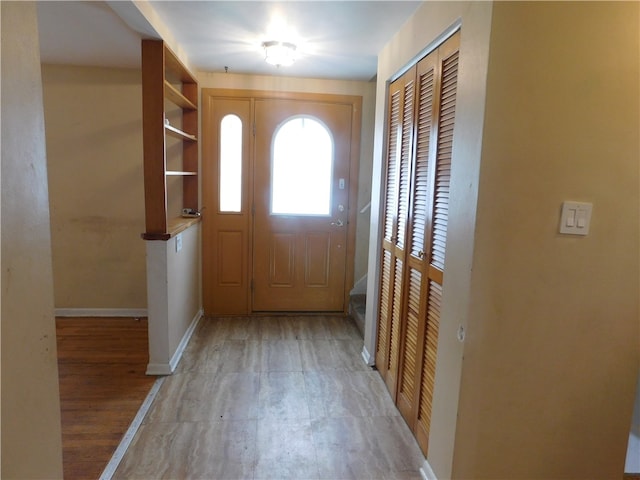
{"x": 273, "y": 398}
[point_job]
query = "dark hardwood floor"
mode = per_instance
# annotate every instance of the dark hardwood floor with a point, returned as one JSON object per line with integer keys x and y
{"x": 101, "y": 365}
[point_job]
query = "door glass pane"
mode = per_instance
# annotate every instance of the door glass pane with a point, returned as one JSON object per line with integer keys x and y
{"x": 230, "y": 179}
{"x": 301, "y": 168}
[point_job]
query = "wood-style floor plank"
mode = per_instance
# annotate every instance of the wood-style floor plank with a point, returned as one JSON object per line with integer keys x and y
{"x": 101, "y": 368}
{"x": 281, "y": 397}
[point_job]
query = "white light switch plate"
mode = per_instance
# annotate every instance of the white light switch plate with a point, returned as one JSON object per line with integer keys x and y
{"x": 575, "y": 218}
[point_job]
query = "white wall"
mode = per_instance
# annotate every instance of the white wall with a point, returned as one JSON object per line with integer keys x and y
{"x": 174, "y": 297}
{"x": 184, "y": 284}
{"x": 31, "y": 439}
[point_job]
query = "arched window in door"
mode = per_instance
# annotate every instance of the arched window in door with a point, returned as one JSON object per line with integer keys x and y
{"x": 301, "y": 168}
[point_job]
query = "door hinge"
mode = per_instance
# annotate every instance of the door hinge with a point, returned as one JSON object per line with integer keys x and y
{"x": 251, "y": 286}
{"x": 253, "y": 209}
{"x": 254, "y": 129}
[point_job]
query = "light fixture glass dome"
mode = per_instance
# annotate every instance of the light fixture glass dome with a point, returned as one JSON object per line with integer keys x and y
{"x": 280, "y": 54}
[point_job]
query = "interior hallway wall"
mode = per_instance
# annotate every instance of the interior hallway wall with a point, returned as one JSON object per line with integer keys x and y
{"x": 337, "y": 87}
{"x": 30, "y": 418}
{"x": 93, "y": 119}
{"x": 552, "y": 350}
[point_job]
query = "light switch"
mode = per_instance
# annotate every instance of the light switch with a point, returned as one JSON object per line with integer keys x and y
{"x": 571, "y": 218}
{"x": 575, "y": 218}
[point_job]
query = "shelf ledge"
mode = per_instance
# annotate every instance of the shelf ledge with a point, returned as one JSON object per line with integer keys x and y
{"x": 177, "y": 133}
{"x": 178, "y": 173}
{"x": 177, "y": 97}
{"x": 176, "y": 225}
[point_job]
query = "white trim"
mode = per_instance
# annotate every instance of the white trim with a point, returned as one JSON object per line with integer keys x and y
{"x": 169, "y": 368}
{"x": 118, "y": 455}
{"x": 360, "y": 286}
{"x": 366, "y": 356}
{"x": 159, "y": 369}
{"x": 427, "y": 472}
{"x": 100, "y": 312}
{"x": 185, "y": 340}
{"x": 439, "y": 40}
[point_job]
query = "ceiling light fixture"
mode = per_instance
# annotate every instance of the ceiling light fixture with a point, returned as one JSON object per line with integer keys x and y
{"x": 280, "y": 54}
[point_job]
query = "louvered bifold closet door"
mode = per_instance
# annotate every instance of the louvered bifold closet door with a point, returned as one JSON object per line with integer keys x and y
{"x": 397, "y": 182}
{"x": 440, "y": 175}
{"x": 416, "y": 263}
{"x": 415, "y": 216}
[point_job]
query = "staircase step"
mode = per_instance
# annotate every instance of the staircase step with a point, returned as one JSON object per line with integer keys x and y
{"x": 357, "y": 306}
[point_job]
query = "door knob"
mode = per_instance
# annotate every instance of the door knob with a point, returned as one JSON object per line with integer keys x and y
{"x": 338, "y": 223}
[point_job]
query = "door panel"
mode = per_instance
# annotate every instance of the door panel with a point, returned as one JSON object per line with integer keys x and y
{"x": 419, "y": 221}
{"x": 428, "y": 370}
{"x": 398, "y": 178}
{"x": 225, "y": 229}
{"x": 282, "y": 260}
{"x": 318, "y": 252}
{"x": 441, "y": 167}
{"x": 314, "y": 258}
{"x": 389, "y": 212}
{"x": 384, "y": 315}
{"x": 230, "y": 272}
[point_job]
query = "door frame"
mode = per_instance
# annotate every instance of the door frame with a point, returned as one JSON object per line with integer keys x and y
{"x": 209, "y": 170}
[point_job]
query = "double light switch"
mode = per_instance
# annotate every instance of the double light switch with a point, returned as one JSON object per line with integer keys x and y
{"x": 575, "y": 218}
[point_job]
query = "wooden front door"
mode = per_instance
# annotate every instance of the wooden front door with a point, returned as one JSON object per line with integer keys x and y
{"x": 279, "y": 171}
{"x": 302, "y": 198}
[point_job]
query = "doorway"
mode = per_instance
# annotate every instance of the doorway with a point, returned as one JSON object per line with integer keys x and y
{"x": 279, "y": 180}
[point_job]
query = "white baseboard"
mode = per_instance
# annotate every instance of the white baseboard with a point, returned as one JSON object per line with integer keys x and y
{"x": 158, "y": 369}
{"x": 185, "y": 340}
{"x": 427, "y": 472}
{"x": 169, "y": 368}
{"x": 100, "y": 312}
{"x": 366, "y": 356}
